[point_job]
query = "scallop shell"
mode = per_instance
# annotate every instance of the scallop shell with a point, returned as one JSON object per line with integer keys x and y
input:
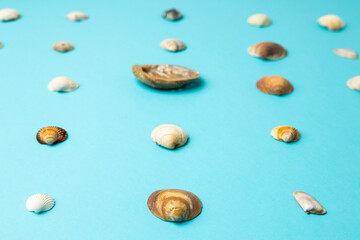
{"x": 260, "y": 20}
{"x": 347, "y": 53}
{"x": 164, "y": 76}
{"x": 77, "y": 16}
{"x": 174, "y": 205}
{"x": 308, "y": 203}
{"x": 173, "y": 45}
{"x": 63, "y": 47}
{"x": 51, "y": 135}
{"x": 285, "y": 134}
{"x": 331, "y": 22}
{"x": 8, "y": 14}
{"x": 268, "y": 51}
{"x": 275, "y": 85}
{"x": 169, "y": 136}
{"x": 172, "y": 14}
{"x": 39, "y": 203}
{"x": 354, "y": 83}
{"x": 62, "y": 84}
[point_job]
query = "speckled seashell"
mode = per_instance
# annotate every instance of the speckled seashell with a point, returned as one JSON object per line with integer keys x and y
{"x": 39, "y": 203}
{"x": 169, "y": 136}
{"x": 268, "y": 51}
{"x": 8, "y": 14}
{"x": 174, "y": 205}
{"x": 260, "y": 20}
{"x": 275, "y": 85}
{"x": 164, "y": 76}
{"x": 63, "y": 47}
{"x": 172, "y": 14}
{"x": 347, "y": 53}
{"x": 173, "y": 45}
{"x": 331, "y": 22}
{"x": 308, "y": 203}
{"x": 354, "y": 83}
{"x": 285, "y": 134}
{"x": 62, "y": 84}
{"x": 76, "y": 16}
{"x": 51, "y": 135}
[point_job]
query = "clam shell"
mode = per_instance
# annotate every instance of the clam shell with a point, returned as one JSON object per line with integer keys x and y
{"x": 62, "y": 84}
{"x": 268, "y": 51}
{"x": 169, "y": 136}
{"x": 174, "y": 205}
{"x": 164, "y": 76}
{"x": 347, "y": 53}
{"x": 331, "y": 22}
{"x": 354, "y": 83}
{"x": 308, "y": 203}
{"x": 51, "y": 135}
{"x": 285, "y": 134}
{"x": 260, "y": 20}
{"x": 275, "y": 85}
{"x": 39, "y": 203}
{"x": 76, "y": 16}
{"x": 172, "y": 14}
{"x": 8, "y": 14}
{"x": 173, "y": 45}
{"x": 63, "y": 47}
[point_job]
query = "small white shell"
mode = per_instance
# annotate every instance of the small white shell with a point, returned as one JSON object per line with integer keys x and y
{"x": 39, "y": 203}
{"x": 76, "y": 16}
{"x": 260, "y": 20}
{"x": 347, "y": 53}
{"x": 62, "y": 84}
{"x": 331, "y": 22}
{"x": 8, "y": 14}
{"x": 354, "y": 83}
{"x": 308, "y": 203}
{"x": 173, "y": 45}
{"x": 63, "y": 46}
{"x": 169, "y": 136}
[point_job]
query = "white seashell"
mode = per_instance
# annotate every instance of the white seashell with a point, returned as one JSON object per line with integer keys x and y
{"x": 260, "y": 20}
{"x": 331, "y": 22}
{"x": 308, "y": 203}
{"x": 39, "y": 203}
{"x": 62, "y": 84}
{"x": 173, "y": 45}
{"x": 8, "y": 14}
{"x": 169, "y": 136}
{"x": 76, "y": 16}
{"x": 347, "y": 53}
{"x": 354, "y": 83}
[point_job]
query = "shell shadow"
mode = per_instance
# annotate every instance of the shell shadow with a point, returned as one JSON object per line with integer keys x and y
{"x": 194, "y": 86}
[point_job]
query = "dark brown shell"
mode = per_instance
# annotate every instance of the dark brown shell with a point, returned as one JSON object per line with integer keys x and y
{"x": 275, "y": 85}
{"x": 267, "y": 50}
{"x": 51, "y": 135}
{"x": 172, "y": 14}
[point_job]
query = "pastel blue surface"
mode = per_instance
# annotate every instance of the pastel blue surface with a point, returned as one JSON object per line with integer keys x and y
{"x": 103, "y": 174}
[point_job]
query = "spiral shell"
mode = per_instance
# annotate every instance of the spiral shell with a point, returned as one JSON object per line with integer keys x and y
{"x": 174, "y": 205}
{"x": 308, "y": 203}
{"x": 275, "y": 85}
{"x": 285, "y": 134}
{"x": 172, "y": 14}
{"x": 62, "y": 84}
{"x": 354, "y": 83}
{"x": 39, "y": 203}
{"x": 331, "y": 22}
{"x": 268, "y": 51}
{"x": 63, "y": 46}
{"x": 347, "y": 53}
{"x": 260, "y": 20}
{"x": 51, "y": 135}
{"x": 173, "y": 45}
{"x": 76, "y": 16}
{"x": 8, "y": 14}
{"x": 169, "y": 136}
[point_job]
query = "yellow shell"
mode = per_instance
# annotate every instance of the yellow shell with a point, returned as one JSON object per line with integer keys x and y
{"x": 169, "y": 136}
{"x": 268, "y": 51}
{"x": 51, "y": 135}
{"x": 285, "y": 134}
{"x": 260, "y": 20}
{"x": 308, "y": 203}
{"x": 1, "y": 45}
{"x": 275, "y": 85}
{"x": 331, "y": 22}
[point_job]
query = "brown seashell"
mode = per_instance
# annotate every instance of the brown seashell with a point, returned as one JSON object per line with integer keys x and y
{"x": 164, "y": 76}
{"x": 51, "y": 135}
{"x": 308, "y": 203}
{"x": 285, "y": 134}
{"x": 172, "y": 14}
{"x": 275, "y": 85}
{"x": 267, "y": 50}
{"x": 174, "y": 205}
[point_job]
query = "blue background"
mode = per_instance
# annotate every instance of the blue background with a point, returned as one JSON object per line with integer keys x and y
{"x": 103, "y": 174}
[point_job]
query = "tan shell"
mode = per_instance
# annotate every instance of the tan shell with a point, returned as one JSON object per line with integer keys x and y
{"x": 275, "y": 85}
{"x": 260, "y": 20}
{"x": 331, "y": 22}
{"x": 76, "y": 16}
{"x": 285, "y": 134}
{"x": 354, "y": 83}
{"x": 172, "y": 14}
{"x": 63, "y": 47}
{"x": 173, "y": 45}
{"x": 164, "y": 76}
{"x": 8, "y": 14}
{"x": 51, "y": 135}
{"x": 347, "y": 53}
{"x": 174, "y": 205}
{"x": 308, "y": 203}
{"x": 268, "y": 51}
{"x": 169, "y": 136}
{"x": 1, "y": 45}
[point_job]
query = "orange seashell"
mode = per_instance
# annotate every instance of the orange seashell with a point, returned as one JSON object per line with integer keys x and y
{"x": 267, "y": 50}
{"x": 285, "y": 134}
{"x": 275, "y": 85}
{"x": 51, "y": 135}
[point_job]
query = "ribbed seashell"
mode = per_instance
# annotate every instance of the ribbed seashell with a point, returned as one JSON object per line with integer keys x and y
{"x": 354, "y": 83}
{"x": 51, "y": 135}
{"x": 169, "y": 136}
{"x": 172, "y": 14}
{"x": 260, "y": 20}
{"x": 285, "y": 134}
{"x": 347, "y": 53}
{"x": 275, "y": 85}
{"x": 331, "y": 22}
{"x": 76, "y": 16}
{"x": 164, "y": 76}
{"x": 174, "y": 205}
{"x": 268, "y": 51}
{"x": 8, "y": 14}
{"x": 62, "y": 84}
{"x": 173, "y": 45}
{"x": 63, "y": 46}
{"x": 39, "y": 203}
{"x": 308, "y": 203}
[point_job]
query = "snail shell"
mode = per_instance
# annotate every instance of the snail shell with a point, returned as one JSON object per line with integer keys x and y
{"x": 347, "y": 53}
{"x": 169, "y": 136}
{"x": 51, "y": 135}
{"x": 275, "y": 85}
{"x": 285, "y": 134}
{"x": 39, "y": 203}
{"x": 260, "y": 20}
{"x": 8, "y": 14}
{"x": 331, "y": 22}
{"x": 354, "y": 83}
{"x": 172, "y": 14}
{"x": 173, "y": 45}
{"x": 268, "y": 51}
{"x": 308, "y": 203}
{"x": 63, "y": 46}
{"x": 76, "y": 16}
{"x": 62, "y": 84}
{"x": 174, "y": 205}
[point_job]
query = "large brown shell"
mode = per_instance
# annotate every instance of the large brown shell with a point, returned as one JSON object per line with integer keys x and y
{"x": 164, "y": 76}
{"x": 275, "y": 85}
{"x": 285, "y": 134}
{"x": 174, "y": 205}
{"x": 268, "y": 51}
{"x": 51, "y": 135}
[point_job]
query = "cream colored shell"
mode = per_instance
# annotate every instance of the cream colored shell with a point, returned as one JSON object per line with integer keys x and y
{"x": 8, "y": 14}
{"x": 62, "y": 84}
{"x": 169, "y": 136}
{"x": 76, "y": 16}
{"x": 39, "y": 203}
{"x": 354, "y": 83}
{"x": 347, "y": 53}
{"x": 308, "y": 203}
{"x": 331, "y": 22}
{"x": 260, "y": 20}
{"x": 173, "y": 45}
{"x": 63, "y": 46}
{"x": 285, "y": 134}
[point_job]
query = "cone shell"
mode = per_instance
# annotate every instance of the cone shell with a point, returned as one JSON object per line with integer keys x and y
{"x": 347, "y": 53}
{"x": 268, "y": 51}
{"x": 260, "y": 20}
{"x": 8, "y": 14}
{"x": 331, "y": 22}
{"x": 164, "y": 76}
{"x": 308, "y": 203}
{"x": 63, "y": 46}
{"x": 275, "y": 85}
{"x": 62, "y": 84}
{"x": 51, "y": 135}
{"x": 169, "y": 136}
{"x": 76, "y": 16}
{"x": 39, "y": 203}
{"x": 173, "y": 45}
{"x": 174, "y": 205}
{"x": 285, "y": 134}
{"x": 172, "y": 14}
{"x": 354, "y": 83}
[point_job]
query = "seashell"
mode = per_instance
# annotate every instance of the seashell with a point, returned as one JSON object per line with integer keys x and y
{"x": 267, "y": 50}
{"x": 285, "y": 134}
{"x": 354, "y": 83}
{"x": 347, "y": 53}
{"x": 331, "y": 22}
{"x": 62, "y": 84}
{"x": 8, "y": 14}
{"x": 174, "y": 205}
{"x": 63, "y": 47}
{"x": 1, "y": 45}
{"x": 275, "y": 85}
{"x": 308, "y": 203}
{"x": 172, "y": 14}
{"x": 39, "y": 203}
{"x": 260, "y": 20}
{"x": 51, "y": 135}
{"x": 164, "y": 76}
{"x": 169, "y": 136}
{"x": 173, "y": 45}
{"x": 76, "y": 16}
